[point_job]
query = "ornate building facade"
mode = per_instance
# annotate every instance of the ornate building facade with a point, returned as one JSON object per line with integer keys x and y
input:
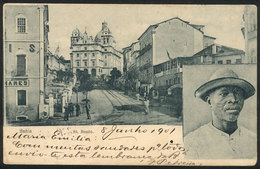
{"x": 98, "y": 55}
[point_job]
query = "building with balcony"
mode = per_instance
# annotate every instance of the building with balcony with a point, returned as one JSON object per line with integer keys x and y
{"x": 25, "y": 60}
{"x": 168, "y": 75}
{"x": 98, "y": 55}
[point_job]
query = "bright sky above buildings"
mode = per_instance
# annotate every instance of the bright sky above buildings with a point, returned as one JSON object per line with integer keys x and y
{"x": 128, "y": 22}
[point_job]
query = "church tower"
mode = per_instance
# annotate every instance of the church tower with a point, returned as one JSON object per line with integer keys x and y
{"x": 75, "y": 36}
{"x": 105, "y": 36}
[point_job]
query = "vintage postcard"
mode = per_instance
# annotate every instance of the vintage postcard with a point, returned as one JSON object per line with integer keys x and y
{"x": 129, "y": 84}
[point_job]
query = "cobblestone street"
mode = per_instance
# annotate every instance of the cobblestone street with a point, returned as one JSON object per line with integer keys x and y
{"x": 110, "y": 107}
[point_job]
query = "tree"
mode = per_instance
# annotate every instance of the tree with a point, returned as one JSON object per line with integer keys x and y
{"x": 115, "y": 74}
{"x": 86, "y": 82}
{"x": 131, "y": 77}
{"x": 64, "y": 76}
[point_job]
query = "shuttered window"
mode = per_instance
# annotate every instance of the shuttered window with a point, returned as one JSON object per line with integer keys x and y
{"x": 21, "y": 65}
{"x": 21, "y": 97}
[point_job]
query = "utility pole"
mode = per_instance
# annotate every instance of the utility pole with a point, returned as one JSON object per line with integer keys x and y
{"x": 77, "y": 90}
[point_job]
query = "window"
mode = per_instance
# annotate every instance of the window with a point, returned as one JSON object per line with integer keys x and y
{"x": 238, "y": 61}
{"x": 10, "y": 47}
{"x": 86, "y": 63}
{"x": 166, "y": 82}
{"x": 93, "y": 54}
{"x": 21, "y": 24}
{"x": 77, "y": 54}
{"x": 21, "y": 65}
{"x": 85, "y": 48}
{"x": 228, "y": 61}
{"x": 93, "y": 63}
{"x": 85, "y": 54}
{"x": 21, "y": 97}
{"x": 78, "y": 63}
{"x": 253, "y": 60}
{"x": 220, "y": 62}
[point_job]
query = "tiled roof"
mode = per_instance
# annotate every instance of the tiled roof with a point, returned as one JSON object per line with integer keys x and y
{"x": 209, "y": 36}
{"x": 220, "y": 51}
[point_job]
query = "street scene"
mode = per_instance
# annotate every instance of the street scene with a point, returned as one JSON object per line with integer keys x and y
{"x": 111, "y": 70}
{"x": 116, "y": 109}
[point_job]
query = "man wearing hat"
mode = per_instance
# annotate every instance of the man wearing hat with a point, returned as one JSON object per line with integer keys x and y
{"x": 222, "y": 138}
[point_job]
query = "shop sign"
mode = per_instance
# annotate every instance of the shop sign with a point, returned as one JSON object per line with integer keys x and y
{"x": 17, "y": 83}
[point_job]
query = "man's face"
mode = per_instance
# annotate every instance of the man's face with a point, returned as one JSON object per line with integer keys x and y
{"x": 226, "y": 103}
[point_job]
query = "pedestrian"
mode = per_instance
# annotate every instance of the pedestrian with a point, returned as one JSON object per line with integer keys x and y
{"x": 146, "y": 105}
{"x": 137, "y": 96}
{"x": 66, "y": 113}
{"x": 88, "y": 109}
{"x": 77, "y": 109}
{"x": 71, "y": 109}
{"x": 145, "y": 94}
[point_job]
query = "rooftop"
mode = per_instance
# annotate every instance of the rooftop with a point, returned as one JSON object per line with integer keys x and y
{"x": 156, "y": 25}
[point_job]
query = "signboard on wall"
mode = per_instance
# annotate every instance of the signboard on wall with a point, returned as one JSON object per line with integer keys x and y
{"x": 17, "y": 83}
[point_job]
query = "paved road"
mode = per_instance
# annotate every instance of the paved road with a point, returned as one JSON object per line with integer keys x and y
{"x": 113, "y": 107}
{"x": 110, "y": 107}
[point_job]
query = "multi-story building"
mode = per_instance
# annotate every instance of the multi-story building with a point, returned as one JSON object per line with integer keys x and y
{"x": 168, "y": 75}
{"x": 55, "y": 64}
{"x": 96, "y": 55}
{"x": 130, "y": 53}
{"x": 25, "y": 47}
{"x": 168, "y": 40}
{"x": 219, "y": 54}
{"x": 249, "y": 31}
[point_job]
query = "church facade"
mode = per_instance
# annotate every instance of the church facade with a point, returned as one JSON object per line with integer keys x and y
{"x": 98, "y": 55}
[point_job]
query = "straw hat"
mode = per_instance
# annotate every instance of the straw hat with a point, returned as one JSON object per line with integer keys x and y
{"x": 224, "y": 77}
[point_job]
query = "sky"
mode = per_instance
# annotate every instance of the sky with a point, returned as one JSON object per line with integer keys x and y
{"x": 128, "y": 22}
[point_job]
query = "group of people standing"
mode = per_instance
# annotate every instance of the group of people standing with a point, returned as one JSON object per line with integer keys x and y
{"x": 69, "y": 110}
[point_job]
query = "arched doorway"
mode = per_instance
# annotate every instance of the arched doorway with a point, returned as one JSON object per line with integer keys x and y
{"x": 93, "y": 72}
{"x": 86, "y": 71}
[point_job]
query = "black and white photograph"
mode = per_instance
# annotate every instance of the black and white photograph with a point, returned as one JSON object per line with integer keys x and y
{"x": 179, "y": 74}
{"x": 219, "y": 113}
